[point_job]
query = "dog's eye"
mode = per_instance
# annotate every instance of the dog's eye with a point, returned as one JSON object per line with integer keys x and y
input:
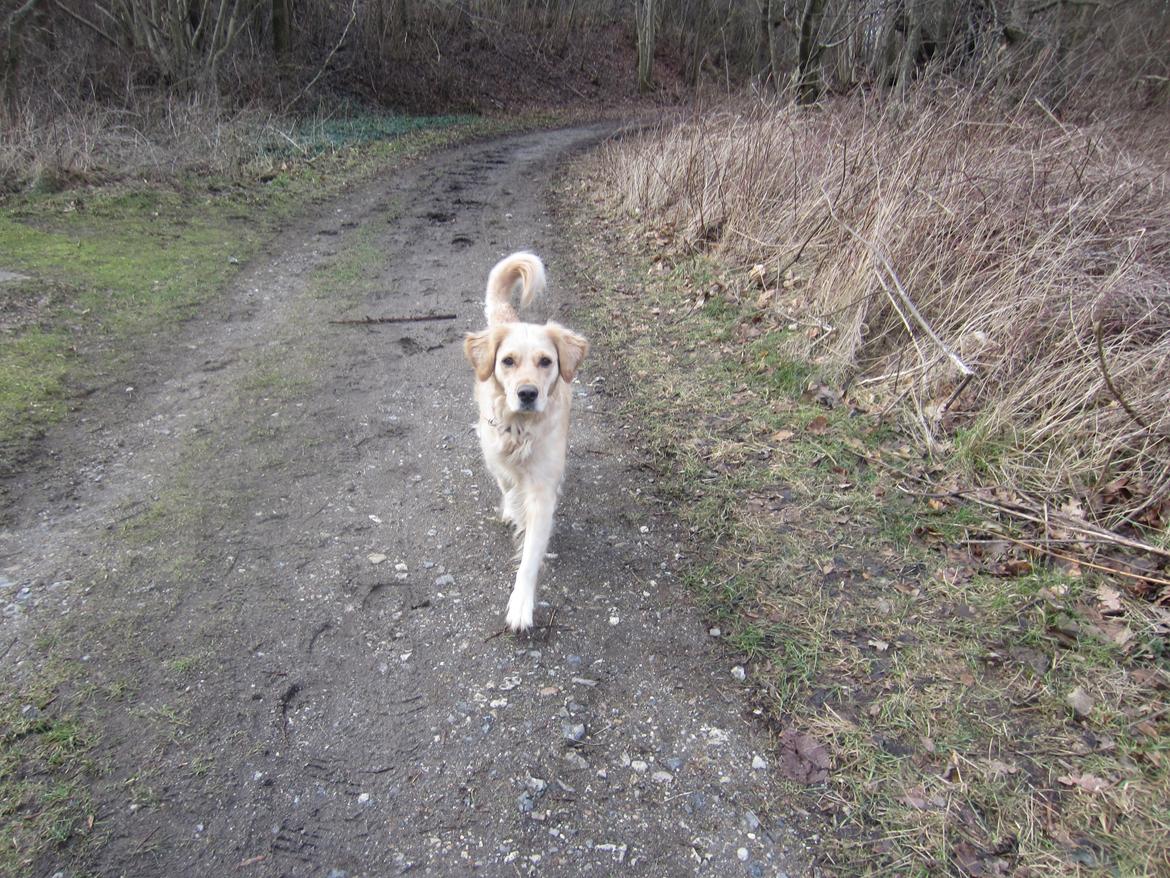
{"x": 508, "y": 361}
{"x": 545, "y": 362}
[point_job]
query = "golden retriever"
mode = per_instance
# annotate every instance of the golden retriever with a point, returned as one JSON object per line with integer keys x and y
{"x": 523, "y": 372}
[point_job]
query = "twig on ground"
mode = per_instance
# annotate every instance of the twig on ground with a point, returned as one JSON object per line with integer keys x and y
{"x": 415, "y": 318}
{"x": 1145, "y": 577}
{"x": 1137, "y": 419}
{"x": 1099, "y": 533}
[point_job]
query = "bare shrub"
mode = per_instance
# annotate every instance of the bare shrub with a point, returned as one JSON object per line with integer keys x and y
{"x": 1037, "y": 251}
{"x": 51, "y": 145}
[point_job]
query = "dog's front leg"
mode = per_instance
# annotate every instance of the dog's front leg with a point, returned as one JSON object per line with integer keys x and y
{"x": 539, "y": 506}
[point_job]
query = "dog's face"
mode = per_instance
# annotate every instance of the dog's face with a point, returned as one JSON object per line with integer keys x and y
{"x": 525, "y": 360}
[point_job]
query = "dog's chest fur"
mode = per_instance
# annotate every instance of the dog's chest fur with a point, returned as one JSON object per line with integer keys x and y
{"x": 509, "y": 439}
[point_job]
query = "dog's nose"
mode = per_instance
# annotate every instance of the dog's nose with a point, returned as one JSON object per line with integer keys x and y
{"x": 527, "y": 394}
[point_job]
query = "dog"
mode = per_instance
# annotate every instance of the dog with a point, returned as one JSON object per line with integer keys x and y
{"x": 523, "y": 372}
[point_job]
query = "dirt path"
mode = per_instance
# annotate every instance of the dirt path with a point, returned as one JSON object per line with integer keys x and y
{"x": 268, "y": 699}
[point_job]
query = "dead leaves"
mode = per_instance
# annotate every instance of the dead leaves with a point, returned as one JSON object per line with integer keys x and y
{"x": 803, "y": 758}
{"x": 818, "y": 426}
{"x": 1090, "y": 783}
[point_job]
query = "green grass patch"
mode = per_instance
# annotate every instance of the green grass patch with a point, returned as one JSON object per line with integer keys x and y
{"x": 316, "y": 136}
{"x": 44, "y": 769}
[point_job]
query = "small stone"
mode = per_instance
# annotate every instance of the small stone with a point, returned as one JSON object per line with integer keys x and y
{"x": 714, "y": 632}
{"x": 445, "y": 580}
{"x": 535, "y": 786}
{"x": 525, "y": 803}
{"x": 739, "y": 673}
{"x": 363, "y": 798}
{"x": 742, "y": 853}
{"x": 644, "y": 529}
{"x": 756, "y": 870}
{"x": 376, "y": 558}
{"x": 759, "y": 763}
{"x": 615, "y": 621}
{"x": 574, "y": 661}
{"x": 674, "y": 763}
{"x": 639, "y": 766}
{"x": 750, "y": 821}
{"x": 1081, "y": 702}
{"x": 401, "y": 567}
{"x": 575, "y": 761}
{"x": 574, "y": 733}
{"x": 662, "y": 777}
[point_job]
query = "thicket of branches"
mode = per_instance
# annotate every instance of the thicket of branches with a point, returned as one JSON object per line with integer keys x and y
{"x": 130, "y": 86}
{"x": 1001, "y": 277}
{"x": 245, "y": 48}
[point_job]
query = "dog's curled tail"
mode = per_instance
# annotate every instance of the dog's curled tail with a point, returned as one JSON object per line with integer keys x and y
{"x": 523, "y": 269}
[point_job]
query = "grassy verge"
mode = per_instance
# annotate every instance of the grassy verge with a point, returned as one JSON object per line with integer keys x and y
{"x": 944, "y": 703}
{"x": 45, "y": 765}
{"x": 109, "y": 267}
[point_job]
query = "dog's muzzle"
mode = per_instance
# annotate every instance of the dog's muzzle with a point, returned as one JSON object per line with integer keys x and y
{"x": 527, "y": 395}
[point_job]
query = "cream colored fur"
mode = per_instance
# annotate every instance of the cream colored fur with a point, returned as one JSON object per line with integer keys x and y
{"x": 523, "y": 372}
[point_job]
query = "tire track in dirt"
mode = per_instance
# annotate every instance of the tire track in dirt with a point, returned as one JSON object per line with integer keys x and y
{"x": 295, "y": 708}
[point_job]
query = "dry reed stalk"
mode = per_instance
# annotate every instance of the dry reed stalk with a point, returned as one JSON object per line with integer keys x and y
{"x": 1037, "y": 251}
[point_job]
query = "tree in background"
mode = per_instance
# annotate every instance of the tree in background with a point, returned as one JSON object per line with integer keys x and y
{"x": 430, "y": 53}
{"x": 644, "y": 23}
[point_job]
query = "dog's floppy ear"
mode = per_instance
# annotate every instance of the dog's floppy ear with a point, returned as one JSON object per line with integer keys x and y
{"x": 480, "y": 350}
{"x": 571, "y": 349}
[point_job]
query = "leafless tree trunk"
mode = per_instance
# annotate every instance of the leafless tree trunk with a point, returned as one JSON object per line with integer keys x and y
{"x": 908, "y": 61}
{"x": 281, "y": 28}
{"x": 773, "y": 21}
{"x": 808, "y": 53}
{"x": 11, "y": 62}
{"x": 645, "y": 24}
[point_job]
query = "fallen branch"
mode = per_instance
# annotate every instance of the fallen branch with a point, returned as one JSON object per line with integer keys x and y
{"x": 907, "y": 302}
{"x": 1137, "y": 419}
{"x": 1144, "y": 577}
{"x": 1099, "y": 533}
{"x": 416, "y": 318}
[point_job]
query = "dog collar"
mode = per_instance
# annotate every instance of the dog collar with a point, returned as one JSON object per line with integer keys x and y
{"x": 501, "y": 427}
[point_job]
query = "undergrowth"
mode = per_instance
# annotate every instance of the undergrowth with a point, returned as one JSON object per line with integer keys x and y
{"x": 982, "y": 710}
{"x": 999, "y": 276}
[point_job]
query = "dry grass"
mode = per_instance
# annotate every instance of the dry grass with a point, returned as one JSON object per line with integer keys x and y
{"x": 933, "y": 662}
{"x": 50, "y": 146}
{"x": 1021, "y": 240}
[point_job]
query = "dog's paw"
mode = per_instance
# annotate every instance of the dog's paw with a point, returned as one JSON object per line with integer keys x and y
{"x": 519, "y": 617}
